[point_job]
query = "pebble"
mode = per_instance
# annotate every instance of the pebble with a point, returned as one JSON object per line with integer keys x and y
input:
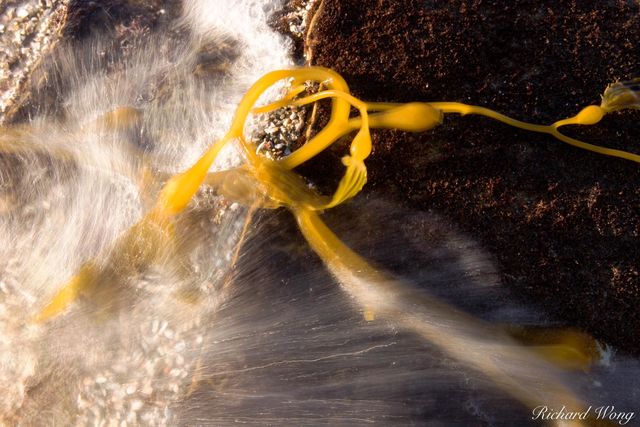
{"x": 298, "y": 18}
{"x": 22, "y": 12}
{"x": 147, "y": 390}
{"x": 10, "y": 13}
{"x": 136, "y": 405}
{"x": 278, "y": 131}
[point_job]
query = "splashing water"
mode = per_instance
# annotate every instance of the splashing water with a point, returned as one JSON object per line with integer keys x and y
{"x": 75, "y": 179}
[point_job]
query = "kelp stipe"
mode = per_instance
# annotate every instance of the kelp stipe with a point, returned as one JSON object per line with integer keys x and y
{"x": 466, "y": 339}
{"x": 589, "y": 115}
{"x": 568, "y": 348}
{"x": 269, "y": 184}
{"x": 174, "y": 197}
{"x": 415, "y": 117}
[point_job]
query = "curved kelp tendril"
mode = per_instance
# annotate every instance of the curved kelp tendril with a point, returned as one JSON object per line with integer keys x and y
{"x": 272, "y": 183}
{"x": 178, "y": 191}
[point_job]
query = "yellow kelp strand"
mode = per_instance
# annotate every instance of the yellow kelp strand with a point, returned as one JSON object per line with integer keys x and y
{"x": 512, "y": 367}
{"x": 487, "y": 348}
{"x": 274, "y": 180}
{"x": 523, "y": 372}
{"x": 140, "y": 246}
{"x": 176, "y": 194}
{"x": 567, "y": 347}
{"x": 589, "y": 115}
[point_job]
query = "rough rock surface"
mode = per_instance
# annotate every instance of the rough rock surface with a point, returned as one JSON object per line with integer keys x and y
{"x": 121, "y": 22}
{"x": 28, "y": 29}
{"x": 563, "y": 223}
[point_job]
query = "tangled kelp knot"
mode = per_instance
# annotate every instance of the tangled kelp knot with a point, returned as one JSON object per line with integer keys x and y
{"x": 266, "y": 183}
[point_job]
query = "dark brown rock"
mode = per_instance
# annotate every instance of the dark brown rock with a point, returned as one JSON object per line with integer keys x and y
{"x": 563, "y": 223}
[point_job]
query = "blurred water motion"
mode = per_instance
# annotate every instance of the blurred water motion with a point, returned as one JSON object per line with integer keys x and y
{"x": 291, "y": 349}
{"x": 273, "y": 339}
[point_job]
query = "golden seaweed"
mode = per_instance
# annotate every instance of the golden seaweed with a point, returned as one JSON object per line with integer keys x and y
{"x": 272, "y": 183}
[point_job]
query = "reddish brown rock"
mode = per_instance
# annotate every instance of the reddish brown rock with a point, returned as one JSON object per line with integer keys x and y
{"x": 563, "y": 223}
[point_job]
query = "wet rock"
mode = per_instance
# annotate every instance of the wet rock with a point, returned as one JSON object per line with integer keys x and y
{"x": 28, "y": 30}
{"x": 562, "y": 222}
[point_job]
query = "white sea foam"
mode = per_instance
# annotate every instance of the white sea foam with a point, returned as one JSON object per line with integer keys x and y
{"x": 78, "y": 186}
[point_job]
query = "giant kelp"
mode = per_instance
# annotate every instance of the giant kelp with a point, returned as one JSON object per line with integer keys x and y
{"x": 266, "y": 183}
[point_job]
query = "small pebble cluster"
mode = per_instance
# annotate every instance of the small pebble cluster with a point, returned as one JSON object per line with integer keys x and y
{"x": 277, "y": 132}
{"x": 17, "y": 356}
{"x": 142, "y": 383}
{"x": 298, "y": 18}
{"x": 141, "y": 361}
{"x": 27, "y": 29}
